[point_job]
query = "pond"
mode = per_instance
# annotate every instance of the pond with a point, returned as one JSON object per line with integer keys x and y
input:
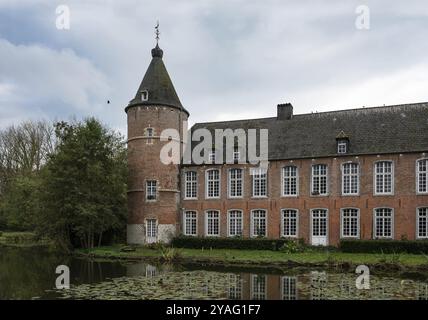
{"x": 29, "y": 273}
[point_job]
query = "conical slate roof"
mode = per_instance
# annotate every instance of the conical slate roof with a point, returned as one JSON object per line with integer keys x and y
{"x": 156, "y": 87}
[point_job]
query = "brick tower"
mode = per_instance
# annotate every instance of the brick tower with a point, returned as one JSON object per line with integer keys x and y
{"x": 153, "y": 187}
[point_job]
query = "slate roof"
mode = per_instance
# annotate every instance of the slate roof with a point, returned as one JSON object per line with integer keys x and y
{"x": 377, "y": 130}
{"x": 157, "y": 82}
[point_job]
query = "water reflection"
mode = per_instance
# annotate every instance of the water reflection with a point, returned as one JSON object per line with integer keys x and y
{"x": 29, "y": 273}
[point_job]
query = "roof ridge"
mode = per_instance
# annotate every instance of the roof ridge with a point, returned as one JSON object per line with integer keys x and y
{"x": 227, "y": 121}
{"x": 397, "y": 106}
{"x": 415, "y": 104}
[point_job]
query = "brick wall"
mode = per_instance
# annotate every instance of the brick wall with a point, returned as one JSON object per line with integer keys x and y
{"x": 144, "y": 164}
{"x": 404, "y": 201}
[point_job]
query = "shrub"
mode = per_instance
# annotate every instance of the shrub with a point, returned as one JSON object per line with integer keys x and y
{"x": 291, "y": 247}
{"x": 384, "y": 246}
{"x": 230, "y": 243}
{"x": 169, "y": 254}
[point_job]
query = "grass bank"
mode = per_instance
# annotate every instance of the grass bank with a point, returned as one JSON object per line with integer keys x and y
{"x": 267, "y": 258}
{"x": 21, "y": 239}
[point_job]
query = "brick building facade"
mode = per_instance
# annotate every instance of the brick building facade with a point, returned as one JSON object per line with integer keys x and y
{"x": 360, "y": 173}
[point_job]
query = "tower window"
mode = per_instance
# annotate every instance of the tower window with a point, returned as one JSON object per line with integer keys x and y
{"x": 144, "y": 95}
{"x": 150, "y": 132}
{"x": 151, "y": 189}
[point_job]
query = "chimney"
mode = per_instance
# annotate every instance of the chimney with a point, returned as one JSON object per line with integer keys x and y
{"x": 285, "y": 111}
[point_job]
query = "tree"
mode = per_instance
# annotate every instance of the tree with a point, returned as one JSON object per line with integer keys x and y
{"x": 24, "y": 149}
{"x": 20, "y": 206}
{"x": 84, "y": 185}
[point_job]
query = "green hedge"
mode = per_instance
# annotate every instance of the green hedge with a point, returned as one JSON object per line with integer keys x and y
{"x": 229, "y": 243}
{"x": 384, "y": 246}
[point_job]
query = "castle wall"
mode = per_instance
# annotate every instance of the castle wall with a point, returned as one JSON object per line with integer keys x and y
{"x": 404, "y": 201}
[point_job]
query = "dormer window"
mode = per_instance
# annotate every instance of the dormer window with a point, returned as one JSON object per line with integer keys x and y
{"x": 342, "y": 147}
{"x": 211, "y": 156}
{"x": 342, "y": 143}
{"x": 144, "y": 95}
{"x": 236, "y": 154}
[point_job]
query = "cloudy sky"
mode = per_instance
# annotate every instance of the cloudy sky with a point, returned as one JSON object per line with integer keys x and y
{"x": 228, "y": 59}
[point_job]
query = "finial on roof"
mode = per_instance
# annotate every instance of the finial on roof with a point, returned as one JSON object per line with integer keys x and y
{"x": 157, "y": 33}
{"x": 156, "y": 51}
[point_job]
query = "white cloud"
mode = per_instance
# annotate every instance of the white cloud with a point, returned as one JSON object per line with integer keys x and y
{"x": 227, "y": 59}
{"x": 46, "y": 81}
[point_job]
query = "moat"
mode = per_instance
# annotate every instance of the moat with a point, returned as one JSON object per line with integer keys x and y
{"x": 29, "y": 273}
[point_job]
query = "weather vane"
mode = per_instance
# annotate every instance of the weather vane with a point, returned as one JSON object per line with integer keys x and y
{"x": 157, "y": 33}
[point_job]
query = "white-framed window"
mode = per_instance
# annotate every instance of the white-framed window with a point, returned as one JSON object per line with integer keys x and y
{"x": 235, "y": 287}
{"x": 289, "y": 288}
{"x": 151, "y": 190}
{"x": 212, "y": 223}
{"x": 384, "y": 177}
{"x": 259, "y": 182}
{"x": 319, "y": 223}
{"x": 290, "y": 181}
{"x": 289, "y": 223}
{"x": 235, "y": 226}
{"x": 383, "y": 223}
{"x": 422, "y": 223}
{"x": 213, "y": 183}
{"x": 350, "y": 223}
{"x": 422, "y": 176}
{"x": 258, "y": 287}
{"x": 258, "y": 223}
{"x": 191, "y": 185}
{"x": 350, "y": 179}
{"x": 151, "y": 228}
{"x": 319, "y": 180}
{"x": 342, "y": 147}
{"x": 190, "y": 223}
{"x": 236, "y": 182}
